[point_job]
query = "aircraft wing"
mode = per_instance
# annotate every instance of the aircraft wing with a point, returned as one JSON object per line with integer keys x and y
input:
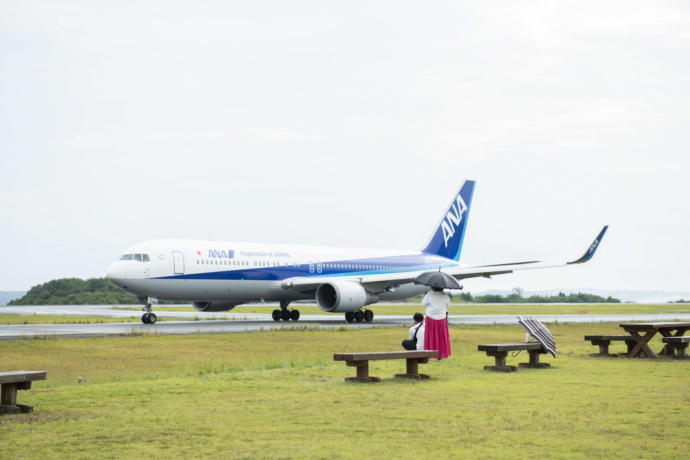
{"x": 383, "y": 281}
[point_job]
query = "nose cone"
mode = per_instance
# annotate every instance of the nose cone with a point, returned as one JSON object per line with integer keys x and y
{"x": 117, "y": 273}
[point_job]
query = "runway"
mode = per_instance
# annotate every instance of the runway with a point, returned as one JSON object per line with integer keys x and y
{"x": 188, "y": 323}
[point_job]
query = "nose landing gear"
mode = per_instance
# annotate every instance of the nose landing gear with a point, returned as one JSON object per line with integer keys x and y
{"x": 149, "y": 317}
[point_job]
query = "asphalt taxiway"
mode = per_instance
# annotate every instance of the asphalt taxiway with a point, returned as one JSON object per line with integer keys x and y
{"x": 229, "y": 322}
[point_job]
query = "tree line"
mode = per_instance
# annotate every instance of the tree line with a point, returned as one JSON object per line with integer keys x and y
{"x": 517, "y": 297}
{"x": 76, "y": 291}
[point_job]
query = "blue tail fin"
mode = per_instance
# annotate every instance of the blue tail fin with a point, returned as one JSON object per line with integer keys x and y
{"x": 447, "y": 239}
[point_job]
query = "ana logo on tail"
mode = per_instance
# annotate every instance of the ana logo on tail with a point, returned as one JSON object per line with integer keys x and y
{"x": 452, "y": 220}
{"x": 446, "y": 241}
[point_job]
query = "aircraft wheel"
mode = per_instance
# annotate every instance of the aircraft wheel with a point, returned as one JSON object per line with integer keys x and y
{"x": 368, "y": 316}
{"x": 294, "y": 315}
{"x": 359, "y": 316}
{"x": 350, "y": 316}
{"x": 152, "y": 318}
{"x": 276, "y": 315}
{"x": 285, "y": 315}
{"x": 145, "y": 318}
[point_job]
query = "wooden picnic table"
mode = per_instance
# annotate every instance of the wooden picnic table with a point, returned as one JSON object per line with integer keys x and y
{"x": 649, "y": 330}
{"x": 361, "y": 362}
{"x": 500, "y": 352}
{"x": 10, "y": 382}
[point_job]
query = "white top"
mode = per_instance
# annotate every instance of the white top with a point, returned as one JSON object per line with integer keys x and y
{"x": 436, "y": 304}
{"x": 420, "y": 335}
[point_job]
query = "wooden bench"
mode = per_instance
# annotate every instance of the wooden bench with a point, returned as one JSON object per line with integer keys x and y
{"x": 605, "y": 340}
{"x": 10, "y": 382}
{"x": 361, "y": 362}
{"x": 500, "y": 352}
{"x": 680, "y": 344}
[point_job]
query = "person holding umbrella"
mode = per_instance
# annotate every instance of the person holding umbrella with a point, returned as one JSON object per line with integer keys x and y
{"x": 436, "y": 336}
{"x": 436, "y": 302}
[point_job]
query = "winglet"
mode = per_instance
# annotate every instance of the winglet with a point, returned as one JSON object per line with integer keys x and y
{"x": 592, "y": 249}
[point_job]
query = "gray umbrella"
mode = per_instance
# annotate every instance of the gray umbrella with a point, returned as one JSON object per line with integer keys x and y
{"x": 539, "y": 332}
{"x": 438, "y": 280}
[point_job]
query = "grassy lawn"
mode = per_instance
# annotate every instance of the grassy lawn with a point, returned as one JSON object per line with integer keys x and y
{"x": 281, "y": 395}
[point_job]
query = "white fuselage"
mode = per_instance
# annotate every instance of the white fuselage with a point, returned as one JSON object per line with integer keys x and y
{"x": 197, "y": 270}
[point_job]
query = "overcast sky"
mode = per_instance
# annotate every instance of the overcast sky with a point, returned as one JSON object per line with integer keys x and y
{"x": 348, "y": 124}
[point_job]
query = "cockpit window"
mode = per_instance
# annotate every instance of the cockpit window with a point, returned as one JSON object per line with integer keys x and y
{"x": 137, "y": 257}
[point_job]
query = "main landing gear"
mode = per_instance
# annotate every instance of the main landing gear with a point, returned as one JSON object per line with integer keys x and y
{"x": 148, "y": 317}
{"x": 284, "y": 314}
{"x": 359, "y": 316}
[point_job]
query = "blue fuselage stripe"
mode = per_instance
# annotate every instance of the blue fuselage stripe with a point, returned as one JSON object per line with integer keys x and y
{"x": 349, "y": 267}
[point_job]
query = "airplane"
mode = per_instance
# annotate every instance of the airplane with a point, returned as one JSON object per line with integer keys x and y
{"x": 219, "y": 275}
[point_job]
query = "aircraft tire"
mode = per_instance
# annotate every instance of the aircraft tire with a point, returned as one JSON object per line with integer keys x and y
{"x": 152, "y": 318}
{"x": 276, "y": 315}
{"x": 294, "y": 315}
{"x": 368, "y": 316}
{"x": 359, "y": 316}
{"x": 285, "y": 315}
{"x": 145, "y": 318}
{"x": 350, "y": 316}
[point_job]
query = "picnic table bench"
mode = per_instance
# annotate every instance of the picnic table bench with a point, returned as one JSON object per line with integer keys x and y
{"x": 361, "y": 362}
{"x": 668, "y": 330}
{"x": 680, "y": 344}
{"x": 10, "y": 382}
{"x": 500, "y": 351}
{"x": 605, "y": 340}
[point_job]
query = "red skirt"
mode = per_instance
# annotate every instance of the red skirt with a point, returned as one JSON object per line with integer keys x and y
{"x": 436, "y": 336}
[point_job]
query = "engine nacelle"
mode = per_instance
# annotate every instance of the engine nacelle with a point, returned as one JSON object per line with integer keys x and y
{"x": 343, "y": 296}
{"x": 214, "y": 306}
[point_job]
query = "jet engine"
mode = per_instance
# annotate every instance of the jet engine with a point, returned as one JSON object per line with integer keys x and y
{"x": 343, "y": 296}
{"x": 214, "y": 306}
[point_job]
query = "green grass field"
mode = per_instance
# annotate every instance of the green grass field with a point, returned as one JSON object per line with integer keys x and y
{"x": 281, "y": 395}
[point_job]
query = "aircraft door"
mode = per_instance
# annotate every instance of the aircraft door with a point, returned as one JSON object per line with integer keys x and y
{"x": 178, "y": 259}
